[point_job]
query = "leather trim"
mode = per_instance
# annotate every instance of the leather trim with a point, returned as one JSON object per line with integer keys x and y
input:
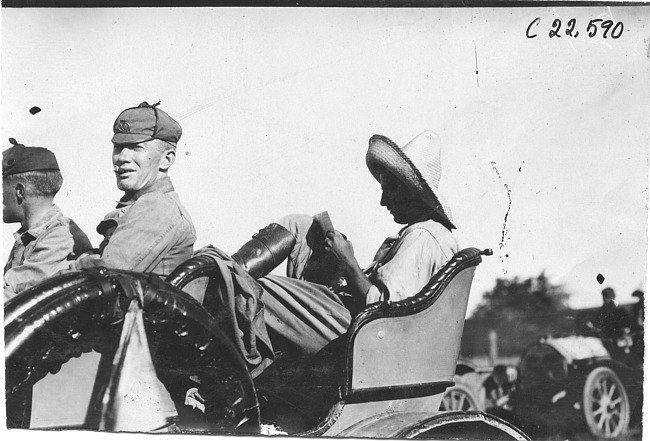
{"x": 192, "y": 268}
{"x": 397, "y": 392}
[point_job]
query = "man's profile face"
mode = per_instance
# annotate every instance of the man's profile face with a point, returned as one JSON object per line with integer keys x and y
{"x": 9, "y": 204}
{"x": 405, "y": 206}
{"x": 136, "y": 166}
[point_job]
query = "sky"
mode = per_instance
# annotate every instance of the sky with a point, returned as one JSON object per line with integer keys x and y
{"x": 545, "y": 139}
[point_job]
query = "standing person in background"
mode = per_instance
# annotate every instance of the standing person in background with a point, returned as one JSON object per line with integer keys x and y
{"x": 149, "y": 230}
{"x": 611, "y": 320}
{"x": 46, "y": 240}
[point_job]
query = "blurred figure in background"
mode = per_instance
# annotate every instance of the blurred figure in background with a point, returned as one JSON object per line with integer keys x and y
{"x": 611, "y": 321}
{"x": 498, "y": 388}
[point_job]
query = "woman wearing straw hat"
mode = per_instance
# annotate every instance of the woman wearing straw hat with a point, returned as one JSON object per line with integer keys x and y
{"x": 310, "y": 315}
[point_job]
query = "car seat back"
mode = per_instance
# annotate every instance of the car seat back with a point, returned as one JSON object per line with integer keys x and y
{"x": 410, "y": 348}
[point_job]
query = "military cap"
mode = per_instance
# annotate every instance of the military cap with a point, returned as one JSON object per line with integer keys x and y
{"x": 144, "y": 123}
{"x": 21, "y": 159}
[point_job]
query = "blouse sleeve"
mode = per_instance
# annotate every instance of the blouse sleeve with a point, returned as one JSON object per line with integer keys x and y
{"x": 415, "y": 258}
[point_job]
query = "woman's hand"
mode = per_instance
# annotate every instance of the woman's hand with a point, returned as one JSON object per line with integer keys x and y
{"x": 338, "y": 245}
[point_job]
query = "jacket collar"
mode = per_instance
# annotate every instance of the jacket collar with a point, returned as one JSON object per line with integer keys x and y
{"x": 31, "y": 234}
{"x": 162, "y": 185}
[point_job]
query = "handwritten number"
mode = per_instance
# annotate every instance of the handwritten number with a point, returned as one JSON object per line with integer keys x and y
{"x": 611, "y": 29}
{"x": 592, "y": 30}
{"x": 572, "y": 25}
{"x": 607, "y": 26}
{"x": 620, "y": 32}
{"x": 557, "y": 23}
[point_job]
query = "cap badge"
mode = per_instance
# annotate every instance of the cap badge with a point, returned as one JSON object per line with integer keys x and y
{"x": 123, "y": 127}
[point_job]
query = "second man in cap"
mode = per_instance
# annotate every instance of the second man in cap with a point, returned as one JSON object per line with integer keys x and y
{"x": 149, "y": 230}
{"x": 47, "y": 240}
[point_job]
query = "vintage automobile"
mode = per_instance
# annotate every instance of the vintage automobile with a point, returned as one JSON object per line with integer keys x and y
{"x": 399, "y": 358}
{"x": 466, "y": 394}
{"x": 575, "y": 382}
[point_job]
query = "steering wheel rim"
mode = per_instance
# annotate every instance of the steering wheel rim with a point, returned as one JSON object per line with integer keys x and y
{"x": 76, "y": 313}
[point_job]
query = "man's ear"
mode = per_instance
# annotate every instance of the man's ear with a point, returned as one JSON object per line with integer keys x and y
{"x": 167, "y": 160}
{"x": 20, "y": 192}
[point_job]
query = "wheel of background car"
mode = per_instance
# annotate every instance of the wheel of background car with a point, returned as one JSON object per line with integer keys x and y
{"x": 86, "y": 314}
{"x": 605, "y": 404}
{"x": 459, "y": 397}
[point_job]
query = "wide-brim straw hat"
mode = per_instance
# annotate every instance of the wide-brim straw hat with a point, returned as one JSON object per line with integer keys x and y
{"x": 418, "y": 165}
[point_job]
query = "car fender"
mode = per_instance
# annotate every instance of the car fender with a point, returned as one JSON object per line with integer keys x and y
{"x": 406, "y": 425}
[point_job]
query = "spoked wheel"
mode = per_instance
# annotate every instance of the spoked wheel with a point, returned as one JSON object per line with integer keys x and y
{"x": 65, "y": 316}
{"x": 605, "y": 404}
{"x": 459, "y": 397}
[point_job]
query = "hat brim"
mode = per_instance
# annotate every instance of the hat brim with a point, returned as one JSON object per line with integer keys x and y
{"x": 130, "y": 138}
{"x": 384, "y": 155}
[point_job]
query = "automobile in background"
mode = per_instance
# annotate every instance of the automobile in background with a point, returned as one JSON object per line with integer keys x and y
{"x": 577, "y": 382}
{"x": 487, "y": 389}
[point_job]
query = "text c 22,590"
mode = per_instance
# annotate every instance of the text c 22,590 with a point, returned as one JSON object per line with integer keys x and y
{"x": 596, "y": 27}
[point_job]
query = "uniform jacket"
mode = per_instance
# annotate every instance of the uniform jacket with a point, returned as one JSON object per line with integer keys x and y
{"x": 42, "y": 251}
{"x": 148, "y": 232}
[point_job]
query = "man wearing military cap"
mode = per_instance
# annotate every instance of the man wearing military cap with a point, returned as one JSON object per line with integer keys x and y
{"x": 149, "y": 230}
{"x": 46, "y": 240}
